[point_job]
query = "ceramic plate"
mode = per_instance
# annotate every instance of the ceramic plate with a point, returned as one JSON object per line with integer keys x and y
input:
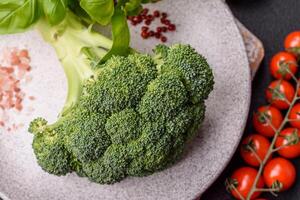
{"x": 209, "y": 26}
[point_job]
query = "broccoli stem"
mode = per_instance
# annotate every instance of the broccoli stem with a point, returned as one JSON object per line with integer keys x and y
{"x": 77, "y": 46}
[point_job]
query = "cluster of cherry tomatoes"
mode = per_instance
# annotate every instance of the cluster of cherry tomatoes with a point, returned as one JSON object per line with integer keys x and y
{"x": 277, "y": 140}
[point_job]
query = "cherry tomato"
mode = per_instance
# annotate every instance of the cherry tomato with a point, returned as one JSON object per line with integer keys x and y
{"x": 243, "y": 179}
{"x": 294, "y": 116}
{"x": 289, "y": 136}
{"x": 280, "y": 93}
{"x": 259, "y": 144}
{"x": 264, "y": 117}
{"x": 282, "y": 65}
{"x": 292, "y": 42}
{"x": 279, "y": 172}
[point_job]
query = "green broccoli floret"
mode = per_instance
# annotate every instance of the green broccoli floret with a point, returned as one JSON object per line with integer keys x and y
{"x": 190, "y": 66}
{"x": 122, "y": 83}
{"x": 87, "y": 141}
{"x": 123, "y": 127}
{"x": 49, "y": 148}
{"x": 130, "y": 116}
{"x": 110, "y": 168}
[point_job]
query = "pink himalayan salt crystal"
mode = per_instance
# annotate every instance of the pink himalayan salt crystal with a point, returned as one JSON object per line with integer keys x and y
{"x": 13, "y": 69}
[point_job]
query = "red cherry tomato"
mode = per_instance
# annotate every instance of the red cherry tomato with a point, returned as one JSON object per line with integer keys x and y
{"x": 243, "y": 179}
{"x": 294, "y": 116}
{"x": 279, "y": 172}
{"x": 264, "y": 117}
{"x": 280, "y": 94}
{"x": 282, "y": 65}
{"x": 257, "y": 143}
{"x": 289, "y": 136}
{"x": 292, "y": 42}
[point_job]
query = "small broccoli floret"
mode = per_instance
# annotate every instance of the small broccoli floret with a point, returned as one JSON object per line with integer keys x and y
{"x": 192, "y": 67}
{"x": 163, "y": 97}
{"x": 110, "y": 168}
{"x": 87, "y": 138}
{"x": 38, "y": 126}
{"x": 123, "y": 127}
{"x": 130, "y": 116}
{"x": 121, "y": 84}
{"x": 49, "y": 148}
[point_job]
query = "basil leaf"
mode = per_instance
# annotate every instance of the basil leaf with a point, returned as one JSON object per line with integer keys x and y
{"x": 55, "y": 10}
{"x": 74, "y": 6}
{"x": 120, "y": 35}
{"x": 132, "y": 5}
{"x": 18, "y": 15}
{"x": 100, "y": 11}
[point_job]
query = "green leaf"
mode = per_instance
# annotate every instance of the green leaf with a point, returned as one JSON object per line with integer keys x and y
{"x": 101, "y": 11}
{"x": 55, "y": 10}
{"x": 18, "y": 15}
{"x": 120, "y": 35}
{"x": 74, "y": 5}
{"x": 132, "y": 5}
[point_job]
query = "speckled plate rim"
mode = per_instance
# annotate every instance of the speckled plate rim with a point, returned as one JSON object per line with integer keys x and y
{"x": 249, "y": 92}
{"x": 3, "y": 197}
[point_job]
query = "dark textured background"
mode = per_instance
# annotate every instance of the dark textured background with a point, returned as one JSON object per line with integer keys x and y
{"x": 270, "y": 21}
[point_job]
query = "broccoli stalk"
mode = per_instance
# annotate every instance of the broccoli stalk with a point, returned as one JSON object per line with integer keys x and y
{"x": 77, "y": 47}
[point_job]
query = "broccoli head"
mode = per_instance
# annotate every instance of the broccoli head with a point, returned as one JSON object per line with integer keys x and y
{"x": 129, "y": 116}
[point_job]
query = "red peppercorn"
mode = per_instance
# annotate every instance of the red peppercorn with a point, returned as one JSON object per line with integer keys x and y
{"x": 151, "y": 33}
{"x": 163, "y": 39}
{"x": 159, "y": 29}
{"x": 167, "y": 22}
{"x": 145, "y": 28}
{"x": 163, "y": 20}
{"x": 148, "y": 22}
{"x": 156, "y": 13}
{"x": 145, "y": 34}
{"x": 145, "y": 11}
{"x": 150, "y": 17}
{"x": 172, "y": 27}
{"x": 133, "y": 23}
{"x": 157, "y": 35}
{"x": 138, "y": 19}
{"x": 164, "y": 15}
{"x": 164, "y": 29}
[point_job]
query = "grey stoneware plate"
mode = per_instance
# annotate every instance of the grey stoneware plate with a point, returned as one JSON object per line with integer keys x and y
{"x": 209, "y": 26}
